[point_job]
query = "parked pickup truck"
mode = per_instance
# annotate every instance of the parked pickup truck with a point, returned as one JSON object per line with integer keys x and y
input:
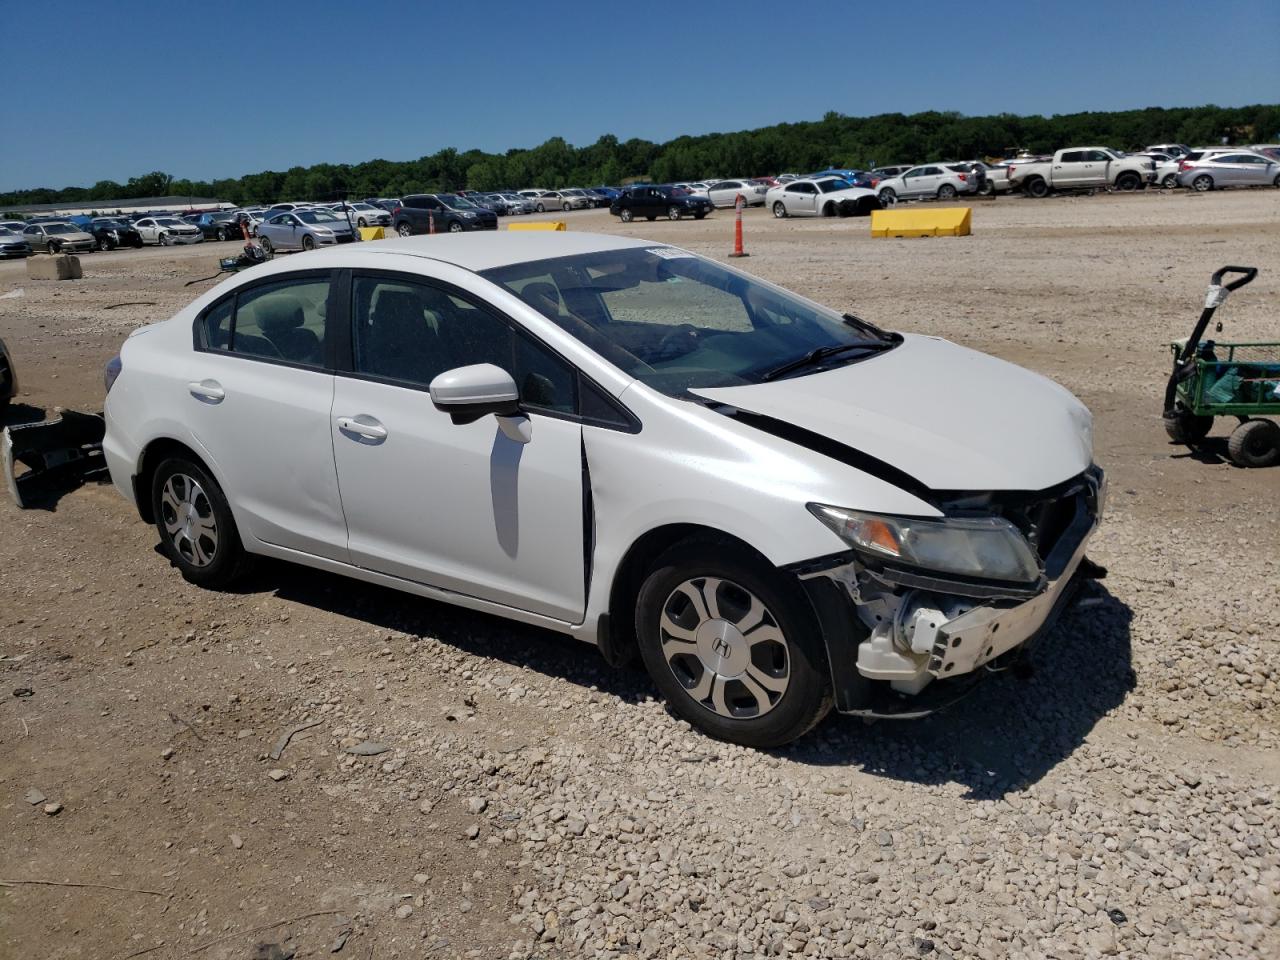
{"x": 1082, "y": 168}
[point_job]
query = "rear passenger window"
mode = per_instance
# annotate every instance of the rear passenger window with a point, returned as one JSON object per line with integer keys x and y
{"x": 282, "y": 321}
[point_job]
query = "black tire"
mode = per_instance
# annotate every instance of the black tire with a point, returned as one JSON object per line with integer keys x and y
{"x": 673, "y": 212}
{"x": 54, "y": 247}
{"x": 651, "y": 217}
{"x": 137, "y": 244}
{"x": 988, "y": 189}
{"x": 700, "y": 214}
{"x": 1171, "y": 180}
{"x": 1128, "y": 181}
{"x": 404, "y": 229}
{"x": 267, "y": 248}
{"x": 106, "y": 243}
{"x": 1202, "y": 184}
{"x": 779, "y": 209}
{"x": 626, "y": 216}
{"x": 308, "y": 242}
{"x": 829, "y": 209}
{"x": 1185, "y": 427}
{"x": 227, "y": 560}
{"x": 888, "y": 197}
{"x": 360, "y": 222}
{"x": 541, "y": 209}
{"x": 806, "y": 697}
{"x": 455, "y": 226}
{"x": 1036, "y": 187}
{"x": 1255, "y": 443}
{"x": 164, "y": 239}
{"x": 946, "y": 192}
{"x": 1276, "y": 181}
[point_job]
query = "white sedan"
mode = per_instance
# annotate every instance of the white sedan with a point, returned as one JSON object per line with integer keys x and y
{"x": 778, "y": 507}
{"x": 724, "y": 193}
{"x": 167, "y": 230}
{"x": 821, "y": 197}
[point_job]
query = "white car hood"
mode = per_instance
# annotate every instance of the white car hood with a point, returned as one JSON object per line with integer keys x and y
{"x": 952, "y": 418}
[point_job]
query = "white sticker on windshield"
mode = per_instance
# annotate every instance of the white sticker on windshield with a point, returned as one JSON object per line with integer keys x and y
{"x": 669, "y": 253}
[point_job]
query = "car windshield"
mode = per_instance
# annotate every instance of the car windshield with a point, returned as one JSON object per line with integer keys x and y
{"x": 315, "y": 216}
{"x": 678, "y": 322}
{"x": 457, "y": 203}
{"x": 60, "y": 228}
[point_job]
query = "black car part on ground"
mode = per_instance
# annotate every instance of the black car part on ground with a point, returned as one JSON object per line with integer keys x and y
{"x": 59, "y": 455}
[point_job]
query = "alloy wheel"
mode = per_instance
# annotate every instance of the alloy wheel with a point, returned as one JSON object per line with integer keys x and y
{"x": 404, "y": 230}
{"x": 725, "y": 648}
{"x": 187, "y": 516}
{"x": 779, "y": 210}
{"x": 1202, "y": 183}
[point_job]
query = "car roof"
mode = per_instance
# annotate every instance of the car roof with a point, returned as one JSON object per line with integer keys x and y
{"x": 482, "y": 250}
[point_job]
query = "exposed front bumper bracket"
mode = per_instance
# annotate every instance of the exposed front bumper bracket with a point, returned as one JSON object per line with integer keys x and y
{"x": 59, "y": 455}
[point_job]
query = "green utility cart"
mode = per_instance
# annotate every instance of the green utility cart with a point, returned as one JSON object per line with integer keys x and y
{"x": 1215, "y": 379}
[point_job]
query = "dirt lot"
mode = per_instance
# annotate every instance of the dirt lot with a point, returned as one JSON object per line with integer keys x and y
{"x": 1124, "y": 799}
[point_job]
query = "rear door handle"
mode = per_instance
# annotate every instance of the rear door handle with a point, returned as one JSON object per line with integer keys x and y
{"x": 207, "y": 391}
{"x": 363, "y": 429}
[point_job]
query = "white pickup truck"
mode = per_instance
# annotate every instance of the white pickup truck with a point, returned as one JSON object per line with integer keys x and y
{"x": 1082, "y": 168}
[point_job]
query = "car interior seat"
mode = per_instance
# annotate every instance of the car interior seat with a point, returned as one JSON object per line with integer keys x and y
{"x": 403, "y": 340}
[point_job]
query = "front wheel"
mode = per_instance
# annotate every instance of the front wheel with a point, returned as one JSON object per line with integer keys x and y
{"x": 946, "y": 192}
{"x": 541, "y": 208}
{"x": 267, "y": 248}
{"x": 1202, "y": 183}
{"x": 404, "y": 230}
{"x": 197, "y": 531}
{"x": 1255, "y": 443}
{"x": 1171, "y": 180}
{"x": 732, "y": 646}
{"x": 626, "y": 216}
{"x": 1185, "y": 427}
{"x": 308, "y": 242}
{"x": 988, "y": 189}
{"x": 54, "y": 247}
{"x": 106, "y": 243}
{"x": 164, "y": 239}
{"x": 779, "y": 209}
{"x": 1128, "y": 182}
{"x": 673, "y": 212}
{"x": 455, "y": 227}
{"x": 361, "y": 223}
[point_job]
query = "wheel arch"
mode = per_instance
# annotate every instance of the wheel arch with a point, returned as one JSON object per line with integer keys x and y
{"x": 154, "y": 454}
{"x": 617, "y": 637}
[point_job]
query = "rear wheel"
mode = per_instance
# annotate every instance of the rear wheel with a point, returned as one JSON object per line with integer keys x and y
{"x": 1183, "y": 426}
{"x": 988, "y": 189}
{"x": 1255, "y": 443}
{"x": 361, "y": 223}
{"x": 1276, "y": 181}
{"x": 54, "y": 246}
{"x": 1202, "y": 183}
{"x": 888, "y": 197}
{"x": 946, "y": 192}
{"x": 197, "y": 531}
{"x": 1171, "y": 180}
{"x": 732, "y": 646}
{"x": 1036, "y": 187}
{"x": 626, "y": 216}
{"x": 541, "y": 208}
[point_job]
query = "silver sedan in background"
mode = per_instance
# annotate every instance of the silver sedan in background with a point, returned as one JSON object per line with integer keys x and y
{"x": 304, "y": 230}
{"x": 1240, "y": 168}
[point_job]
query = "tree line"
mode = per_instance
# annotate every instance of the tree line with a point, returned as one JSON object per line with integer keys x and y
{"x": 835, "y": 140}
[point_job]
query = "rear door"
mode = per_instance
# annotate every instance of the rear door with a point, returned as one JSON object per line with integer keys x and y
{"x": 1070, "y": 168}
{"x": 257, "y": 394}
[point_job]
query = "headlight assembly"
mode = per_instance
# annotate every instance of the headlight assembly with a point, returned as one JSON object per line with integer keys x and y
{"x": 987, "y": 548}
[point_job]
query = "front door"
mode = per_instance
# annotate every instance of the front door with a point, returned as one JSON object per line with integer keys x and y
{"x": 460, "y": 506}
{"x": 257, "y": 396}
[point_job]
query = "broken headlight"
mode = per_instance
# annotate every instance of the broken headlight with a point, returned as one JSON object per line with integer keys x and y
{"x": 987, "y": 548}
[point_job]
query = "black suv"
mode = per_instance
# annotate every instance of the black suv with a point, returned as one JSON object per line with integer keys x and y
{"x": 111, "y": 233}
{"x": 651, "y": 201}
{"x": 451, "y": 214}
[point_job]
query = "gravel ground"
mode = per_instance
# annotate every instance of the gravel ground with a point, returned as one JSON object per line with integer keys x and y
{"x": 474, "y": 788}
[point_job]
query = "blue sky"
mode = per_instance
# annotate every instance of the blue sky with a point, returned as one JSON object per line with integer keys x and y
{"x": 108, "y": 89}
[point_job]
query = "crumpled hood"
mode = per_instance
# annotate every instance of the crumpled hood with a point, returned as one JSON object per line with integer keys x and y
{"x": 951, "y": 417}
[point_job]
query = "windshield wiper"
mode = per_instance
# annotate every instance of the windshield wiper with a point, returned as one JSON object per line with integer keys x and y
{"x": 819, "y": 354}
{"x": 870, "y": 328}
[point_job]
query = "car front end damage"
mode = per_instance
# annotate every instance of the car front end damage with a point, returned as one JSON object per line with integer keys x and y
{"x": 905, "y": 638}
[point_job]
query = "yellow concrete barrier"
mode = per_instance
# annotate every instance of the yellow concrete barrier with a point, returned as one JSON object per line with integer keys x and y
{"x": 539, "y": 225}
{"x": 922, "y": 222}
{"x": 373, "y": 233}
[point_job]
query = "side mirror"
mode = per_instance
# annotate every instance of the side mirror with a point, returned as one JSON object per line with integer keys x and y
{"x": 471, "y": 392}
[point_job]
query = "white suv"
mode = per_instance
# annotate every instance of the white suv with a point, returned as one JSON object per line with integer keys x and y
{"x": 776, "y": 506}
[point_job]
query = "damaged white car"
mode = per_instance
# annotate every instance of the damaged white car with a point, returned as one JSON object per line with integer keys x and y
{"x": 779, "y": 508}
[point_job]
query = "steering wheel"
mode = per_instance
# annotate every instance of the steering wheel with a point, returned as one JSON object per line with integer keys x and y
{"x": 686, "y": 332}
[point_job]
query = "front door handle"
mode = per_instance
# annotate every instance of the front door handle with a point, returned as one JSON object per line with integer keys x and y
{"x": 207, "y": 391}
{"x": 363, "y": 429}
